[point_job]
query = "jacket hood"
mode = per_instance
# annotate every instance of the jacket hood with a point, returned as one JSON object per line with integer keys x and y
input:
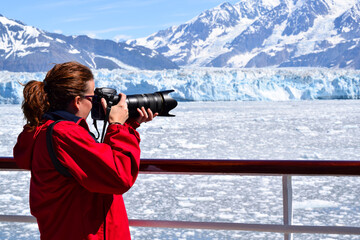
{"x": 23, "y": 149}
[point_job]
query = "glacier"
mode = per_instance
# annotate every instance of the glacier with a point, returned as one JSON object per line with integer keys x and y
{"x": 213, "y": 84}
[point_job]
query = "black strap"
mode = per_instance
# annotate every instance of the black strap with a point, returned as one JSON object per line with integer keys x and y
{"x": 50, "y": 146}
{"x": 107, "y": 114}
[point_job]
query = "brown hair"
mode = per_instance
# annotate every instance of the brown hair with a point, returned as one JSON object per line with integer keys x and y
{"x": 61, "y": 85}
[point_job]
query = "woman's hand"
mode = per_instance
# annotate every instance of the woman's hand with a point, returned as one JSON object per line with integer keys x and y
{"x": 145, "y": 116}
{"x": 119, "y": 113}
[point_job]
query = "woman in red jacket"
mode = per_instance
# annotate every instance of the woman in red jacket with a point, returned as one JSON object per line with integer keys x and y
{"x": 89, "y": 203}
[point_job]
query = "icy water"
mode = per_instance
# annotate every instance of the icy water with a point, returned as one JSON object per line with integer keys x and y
{"x": 224, "y": 130}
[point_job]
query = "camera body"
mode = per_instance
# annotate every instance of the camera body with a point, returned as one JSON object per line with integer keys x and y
{"x": 159, "y": 102}
{"x": 111, "y": 98}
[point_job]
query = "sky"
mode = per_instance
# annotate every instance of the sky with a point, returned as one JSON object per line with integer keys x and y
{"x": 117, "y": 20}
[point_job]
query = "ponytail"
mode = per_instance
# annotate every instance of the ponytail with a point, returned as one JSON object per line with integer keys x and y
{"x": 35, "y": 102}
{"x": 61, "y": 85}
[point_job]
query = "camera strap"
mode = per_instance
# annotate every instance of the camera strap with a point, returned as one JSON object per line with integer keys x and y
{"x": 107, "y": 114}
{"x": 50, "y": 146}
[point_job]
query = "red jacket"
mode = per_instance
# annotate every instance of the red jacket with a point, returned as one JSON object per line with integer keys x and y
{"x": 81, "y": 206}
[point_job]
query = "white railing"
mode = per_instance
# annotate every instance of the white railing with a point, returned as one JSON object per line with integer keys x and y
{"x": 286, "y": 168}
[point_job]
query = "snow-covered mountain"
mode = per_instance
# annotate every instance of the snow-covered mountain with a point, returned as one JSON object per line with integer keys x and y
{"x": 26, "y": 48}
{"x": 262, "y": 33}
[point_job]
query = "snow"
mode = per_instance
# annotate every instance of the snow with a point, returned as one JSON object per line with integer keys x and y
{"x": 338, "y": 7}
{"x": 129, "y": 49}
{"x": 60, "y": 41}
{"x": 323, "y": 29}
{"x": 242, "y": 59}
{"x": 118, "y": 62}
{"x": 270, "y": 3}
{"x": 74, "y": 51}
{"x": 23, "y": 54}
{"x": 31, "y": 31}
{"x": 215, "y": 44}
{"x": 6, "y": 21}
{"x": 16, "y": 43}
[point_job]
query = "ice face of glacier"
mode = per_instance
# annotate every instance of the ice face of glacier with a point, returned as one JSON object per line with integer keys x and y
{"x": 212, "y": 84}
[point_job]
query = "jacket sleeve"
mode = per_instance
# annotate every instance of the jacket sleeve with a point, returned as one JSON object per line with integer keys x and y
{"x": 110, "y": 167}
{"x": 24, "y": 148}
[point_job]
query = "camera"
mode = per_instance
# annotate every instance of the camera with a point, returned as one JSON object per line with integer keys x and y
{"x": 159, "y": 102}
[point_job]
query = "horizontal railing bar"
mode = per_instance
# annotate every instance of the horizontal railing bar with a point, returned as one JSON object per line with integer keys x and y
{"x": 212, "y": 166}
{"x": 275, "y": 228}
{"x": 17, "y": 218}
{"x": 247, "y": 227}
{"x": 8, "y": 163}
{"x": 280, "y": 167}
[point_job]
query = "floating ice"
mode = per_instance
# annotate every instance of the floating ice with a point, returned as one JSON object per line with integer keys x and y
{"x": 311, "y": 204}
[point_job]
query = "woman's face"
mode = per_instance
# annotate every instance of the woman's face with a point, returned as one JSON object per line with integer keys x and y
{"x": 85, "y": 102}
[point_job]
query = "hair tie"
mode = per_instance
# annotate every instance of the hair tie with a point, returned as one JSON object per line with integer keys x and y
{"x": 46, "y": 87}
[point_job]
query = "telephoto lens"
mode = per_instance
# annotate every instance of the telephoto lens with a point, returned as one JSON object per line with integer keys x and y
{"x": 158, "y": 102}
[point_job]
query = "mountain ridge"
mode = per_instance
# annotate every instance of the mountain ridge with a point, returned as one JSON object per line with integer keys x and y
{"x": 259, "y": 33}
{"x": 29, "y": 49}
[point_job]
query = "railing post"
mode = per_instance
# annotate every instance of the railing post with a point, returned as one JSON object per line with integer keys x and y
{"x": 287, "y": 204}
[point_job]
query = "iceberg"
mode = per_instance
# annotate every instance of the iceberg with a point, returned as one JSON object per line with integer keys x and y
{"x": 213, "y": 84}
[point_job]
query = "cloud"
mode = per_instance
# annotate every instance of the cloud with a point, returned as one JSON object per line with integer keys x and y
{"x": 77, "y": 19}
{"x": 91, "y": 35}
{"x": 58, "y": 31}
{"x": 121, "y": 5}
{"x": 121, "y": 38}
{"x": 114, "y": 29}
{"x": 57, "y": 4}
